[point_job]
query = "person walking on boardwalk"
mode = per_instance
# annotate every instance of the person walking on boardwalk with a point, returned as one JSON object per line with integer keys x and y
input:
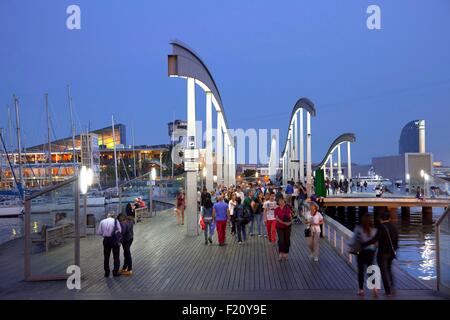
{"x": 231, "y": 205}
{"x": 242, "y": 220}
{"x": 181, "y": 205}
{"x": 314, "y": 220}
{"x": 127, "y": 225}
{"x": 387, "y": 238}
{"x": 248, "y": 206}
{"x": 363, "y": 233}
{"x": 220, "y": 217}
{"x": 269, "y": 218}
{"x": 283, "y": 216}
{"x": 258, "y": 214}
{"x": 109, "y": 228}
{"x": 207, "y": 215}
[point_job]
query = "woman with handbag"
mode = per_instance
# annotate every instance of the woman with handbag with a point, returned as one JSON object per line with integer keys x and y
{"x": 362, "y": 233}
{"x": 283, "y": 215}
{"x": 207, "y": 217}
{"x": 314, "y": 220}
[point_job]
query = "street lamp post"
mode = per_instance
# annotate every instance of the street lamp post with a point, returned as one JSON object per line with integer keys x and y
{"x": 426, "y": 177}
{"x": 408, "y": 181}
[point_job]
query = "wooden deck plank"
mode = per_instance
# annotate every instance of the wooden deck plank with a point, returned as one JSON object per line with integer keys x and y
{"x": 168, "y": 262}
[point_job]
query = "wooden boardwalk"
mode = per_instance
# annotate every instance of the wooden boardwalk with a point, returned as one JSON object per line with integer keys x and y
{"x": 168, "y": 264}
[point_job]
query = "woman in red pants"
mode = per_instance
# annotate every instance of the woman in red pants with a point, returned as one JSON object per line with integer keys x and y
{"x": 269, "y": 218}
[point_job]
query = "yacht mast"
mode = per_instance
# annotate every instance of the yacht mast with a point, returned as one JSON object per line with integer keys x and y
{"x": 72, "y": 125}
{"x": 49, "y": 151}
{"x": 19, "y": 146}
{"x": 134, "y": 153}
{"x": 115, "y": 154}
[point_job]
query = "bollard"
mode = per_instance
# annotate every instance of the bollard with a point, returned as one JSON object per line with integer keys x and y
{"x": 406, "y": 212}
{"x": 393, "y": 214}
{"x": 427, "y": 215}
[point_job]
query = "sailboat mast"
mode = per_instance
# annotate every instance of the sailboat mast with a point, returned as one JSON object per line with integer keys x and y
{"x": 10, "y": 129}
{"x": 72, "y": 126}
{"x": 134, "y": 153}
{"x": 49, "y": 141}
{"x": 19, "y": 145}
{"x": 115, "y": 153}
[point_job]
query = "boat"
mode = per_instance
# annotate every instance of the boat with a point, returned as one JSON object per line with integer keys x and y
{"x": 373, "y": 181}
{"x": 11, "y": 208}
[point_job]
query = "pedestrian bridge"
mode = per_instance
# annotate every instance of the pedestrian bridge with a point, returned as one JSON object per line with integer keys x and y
{"x": 169, "y": 265}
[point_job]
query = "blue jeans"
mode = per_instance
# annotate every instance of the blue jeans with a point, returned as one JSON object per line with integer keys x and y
{"x": 241, "y": 231}
{"x": 209, "y": 226}
{"x": 259, "y": 222}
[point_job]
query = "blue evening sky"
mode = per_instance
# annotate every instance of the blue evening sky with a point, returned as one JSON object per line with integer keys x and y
{"x": 264, "y": 55}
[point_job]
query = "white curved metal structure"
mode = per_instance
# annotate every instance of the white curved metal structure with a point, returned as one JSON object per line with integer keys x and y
{"x": 346, "y": 138}
{"x": 293, "y": 161}
{"x": 184, "y": 63}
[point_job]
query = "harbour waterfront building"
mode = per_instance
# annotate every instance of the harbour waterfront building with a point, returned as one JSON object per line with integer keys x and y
{"x": 406, "y": 167}
{"x": 94, "y": 149}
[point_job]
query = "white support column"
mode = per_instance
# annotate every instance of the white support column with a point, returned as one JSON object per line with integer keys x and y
{"x": 219, "y": 149}
{"x": 289, "y": 158}
{"x": 331, "y": 167}
{"x": 339, "y": 162}
{"x": 349, "y": 161}
{"x": 233, "y": 166}
{"x": 191, "y": 176}
{"x": 209, "y": 147}
{"x": 302, "y": 156}
{"x": 226, "y": 164}
{"x": 295, "y": 147}
{"x": 283, "y": 163}
{"x": 308, "y": 154}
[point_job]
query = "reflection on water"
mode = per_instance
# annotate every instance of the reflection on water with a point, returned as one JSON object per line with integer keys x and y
{"x": 417, "y": 251}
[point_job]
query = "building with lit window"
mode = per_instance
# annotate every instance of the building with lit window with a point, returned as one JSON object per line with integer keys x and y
{"x": 94, "y": 149}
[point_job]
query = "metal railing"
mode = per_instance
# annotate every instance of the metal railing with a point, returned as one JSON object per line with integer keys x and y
{"x": 339, "y": 236}
{"x": 442, "y": 228}
{"x": 57, "y": 205}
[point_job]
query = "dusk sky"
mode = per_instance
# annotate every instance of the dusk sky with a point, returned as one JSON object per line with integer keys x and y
{"x": 263, "y": 55}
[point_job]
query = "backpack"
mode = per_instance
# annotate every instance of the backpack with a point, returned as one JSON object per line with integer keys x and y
{"x": 245, "y": 217}
{"x": 116, "y": 236}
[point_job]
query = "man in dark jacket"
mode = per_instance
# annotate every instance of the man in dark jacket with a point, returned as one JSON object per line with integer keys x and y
{"x": 127, "y": 225}
{"x": 387, "y": 237}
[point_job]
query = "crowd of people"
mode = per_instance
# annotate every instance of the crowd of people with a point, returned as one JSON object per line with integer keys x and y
{"x": 258, "y": 209}
{"x": 262, "y": 210}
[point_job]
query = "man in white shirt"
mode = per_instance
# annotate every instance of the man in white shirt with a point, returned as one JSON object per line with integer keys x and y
{"x": 106, "y": 229}
{"x": 239, "y": 193}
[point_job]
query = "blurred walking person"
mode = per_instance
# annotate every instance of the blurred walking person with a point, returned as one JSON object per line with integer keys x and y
{"x": 364, "y": 232}
{"x": 387, "y": 238}
{"x": 283, "y": 216}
